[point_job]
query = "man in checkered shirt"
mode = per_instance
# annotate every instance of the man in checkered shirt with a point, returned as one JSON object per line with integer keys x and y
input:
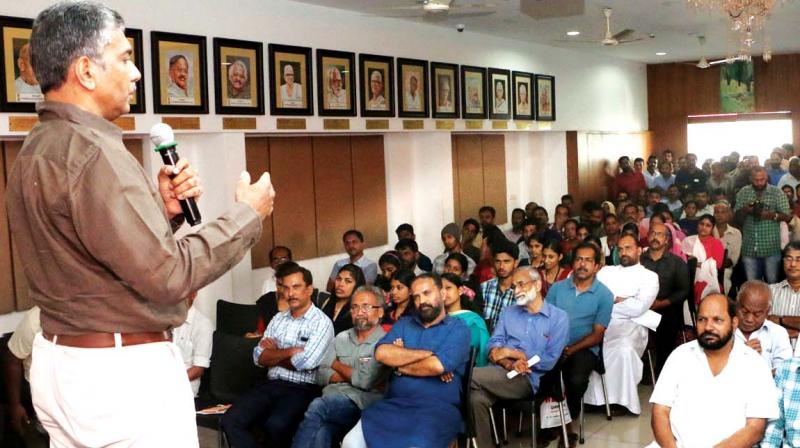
{"x": 293, "y": 347}
{"x": 762, "y": 207}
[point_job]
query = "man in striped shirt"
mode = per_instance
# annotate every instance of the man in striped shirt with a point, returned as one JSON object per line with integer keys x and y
{"x": 785, "y": 306}
{"x": 293, "y": 347}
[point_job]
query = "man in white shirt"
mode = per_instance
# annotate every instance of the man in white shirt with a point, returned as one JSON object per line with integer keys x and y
{"x": 635, "y": 288}
{"x": 354, "y": 246}
{"x": 714, "y": 389}
{"x": 731, "y": 238}
{"x": 792, "y": 178}
{"x": 17, "y": 363}
{"x": 277, "y": 256}
{"x": 194, "y": 338}
{"x": 650, "y": 174}
{"x": 767, "y": 338}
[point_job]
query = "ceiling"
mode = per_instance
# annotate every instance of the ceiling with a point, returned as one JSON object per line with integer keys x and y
{"x": 673, "y": 24}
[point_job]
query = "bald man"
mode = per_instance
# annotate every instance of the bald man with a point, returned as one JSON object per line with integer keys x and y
{"x": 769, "y": 339}
{"x": 713, "y": 391}
{"x": 26, "y": 86}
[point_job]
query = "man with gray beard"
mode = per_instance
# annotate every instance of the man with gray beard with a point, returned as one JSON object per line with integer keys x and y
{"x": 512, "y": 345}
{"x": 349, "y": 373}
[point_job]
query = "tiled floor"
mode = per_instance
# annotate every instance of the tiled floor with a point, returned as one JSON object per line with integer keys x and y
{"x": 621, "y": 432}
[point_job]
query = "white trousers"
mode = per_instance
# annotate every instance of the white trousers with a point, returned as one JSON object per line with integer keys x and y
{"x": 135, "y": 396}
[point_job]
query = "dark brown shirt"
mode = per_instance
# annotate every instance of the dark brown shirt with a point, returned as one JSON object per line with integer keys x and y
{"x": 93, "y": 235}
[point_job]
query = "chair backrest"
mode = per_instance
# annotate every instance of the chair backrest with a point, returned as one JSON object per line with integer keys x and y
{"x": 721, "y": 274}
{"x": 236, "y": 318}
{"x": 232, "y": 371}
{"x": 691, "y": 264}
{"x": 466, "y": 409}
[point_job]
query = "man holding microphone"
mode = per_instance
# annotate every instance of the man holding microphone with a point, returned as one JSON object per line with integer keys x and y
{"x": 97, "y": 243}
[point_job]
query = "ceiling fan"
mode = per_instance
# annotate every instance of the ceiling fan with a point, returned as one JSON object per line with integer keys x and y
{"x": 437, "y": 10}
{"x": 704, "y": 63}
{"x": 609, "y": 40}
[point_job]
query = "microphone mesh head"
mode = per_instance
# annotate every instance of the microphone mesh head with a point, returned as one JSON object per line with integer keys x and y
{"x": 161, "y": 133}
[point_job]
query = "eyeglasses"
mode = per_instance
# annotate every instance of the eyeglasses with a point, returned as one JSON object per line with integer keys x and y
{"x": 522, "y": 285}
{"x": 364, "y": 308}
{"x": 788, "y": 259}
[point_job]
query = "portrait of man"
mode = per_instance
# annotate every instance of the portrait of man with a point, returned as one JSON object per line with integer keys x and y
{"x": 291, "y": 85}
{"x": 444, "y": 100}
{"x": 179, "y": 85}
{"x": 523, "y": 100}
{"x": 544, "y": 100}
{"x": 474, "y": 93}
{"x": 26, "y": 87}
{"x": 500, "y": 105}
{"x": 238, "y": 81}
{"x": 336, "y": 91}
{"x": 377, "y": 99}
{"x": 412, "y": 97}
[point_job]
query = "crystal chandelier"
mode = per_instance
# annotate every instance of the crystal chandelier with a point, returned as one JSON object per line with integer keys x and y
{"x": 746, "y": 17}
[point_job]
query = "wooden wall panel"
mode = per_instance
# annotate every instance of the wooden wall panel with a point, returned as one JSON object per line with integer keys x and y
{"x": 470, "y": 168}
{"x": 294, "y": 217}
{"x": 677, "y": 90}
{"x": 573, "y": 167}
{"x": 494, "y": 175}
{"x": 333, "y": 192}
{"x": 134, "y": 146}
{"x": 22, "y": 301}
{"x": 369, "y": 188}
{"x": 256, "y": 151}
{"x": 7, "y": 293}
{"x": 456, "y": 181}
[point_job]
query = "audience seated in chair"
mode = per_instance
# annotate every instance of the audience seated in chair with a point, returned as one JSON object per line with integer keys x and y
{"x": 530, "y": 327}
{"x": 337, "y": 306}
{"x": 429, "y": 354}
{"x": 194, "y": 339}
{"x": 349, "y": 373}
{"x": 769, "y": 339}
{"x": 353, "y": 241}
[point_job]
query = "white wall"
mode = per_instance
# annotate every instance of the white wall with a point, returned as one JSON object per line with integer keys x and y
{"x": 593, "y": 93}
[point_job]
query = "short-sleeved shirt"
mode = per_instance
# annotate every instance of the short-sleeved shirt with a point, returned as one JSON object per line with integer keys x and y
{"x": 785, "y": 300}
{"x": 691, "y": 181}
{"x": 762, "y": 237}
{"x": 706, "y": 409}
{"x": 195, "y": 339}
{"x": 313, "y": 331}
{"x": 369, "y": 267}
{"x": 784, "y": 431}
{"x": 21, "y": 342}
{"x": 585, "y": 310}
{"x": 774, "y": 340}
{"x": 495, "y": 300}
{"x": 359, "y": 356}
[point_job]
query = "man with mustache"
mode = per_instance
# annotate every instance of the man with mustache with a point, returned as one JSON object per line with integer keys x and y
{"x": 497, "y": 292}
{"x": 528, "y": 327}
{"x": 634, "y": 288}
{"x": 178, "y": 87}
{"x": 429, "y": 354}
{"x": 349, "y": 373}
{"x": 713, "y": 391}
{"x": 588, "y": 305}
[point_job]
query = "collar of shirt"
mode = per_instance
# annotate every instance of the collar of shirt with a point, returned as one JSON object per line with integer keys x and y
{"x": 373, "y": 337}
{"x": 592, "y": 289}
{"x": 416, "y": 319}
{"x": 51, "y": 110}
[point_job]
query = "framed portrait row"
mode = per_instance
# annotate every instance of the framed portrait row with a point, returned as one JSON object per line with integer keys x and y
{"x": 387, "y": 87}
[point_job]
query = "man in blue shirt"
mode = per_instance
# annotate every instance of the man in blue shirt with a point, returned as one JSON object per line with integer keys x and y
{"x": 293, "y": 347}
{"x": 588, "y": 304}
{"x": 527, "y": 328}
{"x": 429, "y": 354}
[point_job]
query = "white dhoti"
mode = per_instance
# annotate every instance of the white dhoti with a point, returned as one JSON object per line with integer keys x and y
{"x": 624, "y": 344}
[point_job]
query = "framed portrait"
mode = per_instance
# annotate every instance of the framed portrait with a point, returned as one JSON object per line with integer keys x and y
{"x": 522, "y": 86}
{"x": 238, "y": 77}
{"x": 376, "y": 74}
{"x": 290, "y": 91}
{"x": 545, "y": 94}
{"x": 500, "y": 95}
{"x": 473, "y": 92}
{"x": 336, "y": 83}
{"x": 179, "y": 73}
{"x": 137, "y": 100}
{"x": 20, "y": 90}
{"x": 444, "y": 90}
{"x": 412, "y": 88}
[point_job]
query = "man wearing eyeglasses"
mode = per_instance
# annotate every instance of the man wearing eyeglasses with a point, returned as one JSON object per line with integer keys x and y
{"x": 349, "y": 373}
{"x": 785, "y": 306}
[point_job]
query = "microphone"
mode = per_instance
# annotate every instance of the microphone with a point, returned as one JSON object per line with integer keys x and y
{"x": 162, "y": 136}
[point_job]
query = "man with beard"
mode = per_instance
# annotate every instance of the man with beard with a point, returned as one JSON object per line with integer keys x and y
{"x": 517, "y": 219}
{"x": 498, "y": 292}
{"x": 588, "y": 305}
{"x": 689, "y": 178}
{"x": 353, "y": 241}
{"x": 349, "y": 373}
{"x": 673, "y": 288}
{"x": 634, "y": 288}
{"x": 769, "y": 339}
{"x": 761, "y": 207}
{"x": 429, "y": 354}
{"x": 511, "y": 346}
{"x": 451, "y": 239}
{"x": 713, "y": 391}
{"x": 627, "y": 180}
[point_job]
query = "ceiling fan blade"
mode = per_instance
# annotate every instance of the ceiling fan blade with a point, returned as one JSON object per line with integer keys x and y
{"x": 623, "y": 34}
{"x": 721, "y": 61}
{"x": 631, "y": 40}
{"x": 577, "y": 41}
{"x": 444, "y": 16}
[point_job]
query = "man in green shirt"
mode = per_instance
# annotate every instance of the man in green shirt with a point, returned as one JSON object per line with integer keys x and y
{"x": 761, "y": 207}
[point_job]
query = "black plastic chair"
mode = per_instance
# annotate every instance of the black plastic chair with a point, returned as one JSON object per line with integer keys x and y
{"x": 600, "y": 368}
{"x": 466, "y": 405}
{"x": 692, "y": 266}
{"x": 721, "y": 274}
{"x": 236, "y": 318}
{"x": 231, "y": 373}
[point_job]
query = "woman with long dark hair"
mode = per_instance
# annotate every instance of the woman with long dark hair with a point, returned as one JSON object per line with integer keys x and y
{"x": 460, "y": 307}
{"x": 552, "y": 271}
{"x": 349, "y": 278}
{"x": 400, "y": 295}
